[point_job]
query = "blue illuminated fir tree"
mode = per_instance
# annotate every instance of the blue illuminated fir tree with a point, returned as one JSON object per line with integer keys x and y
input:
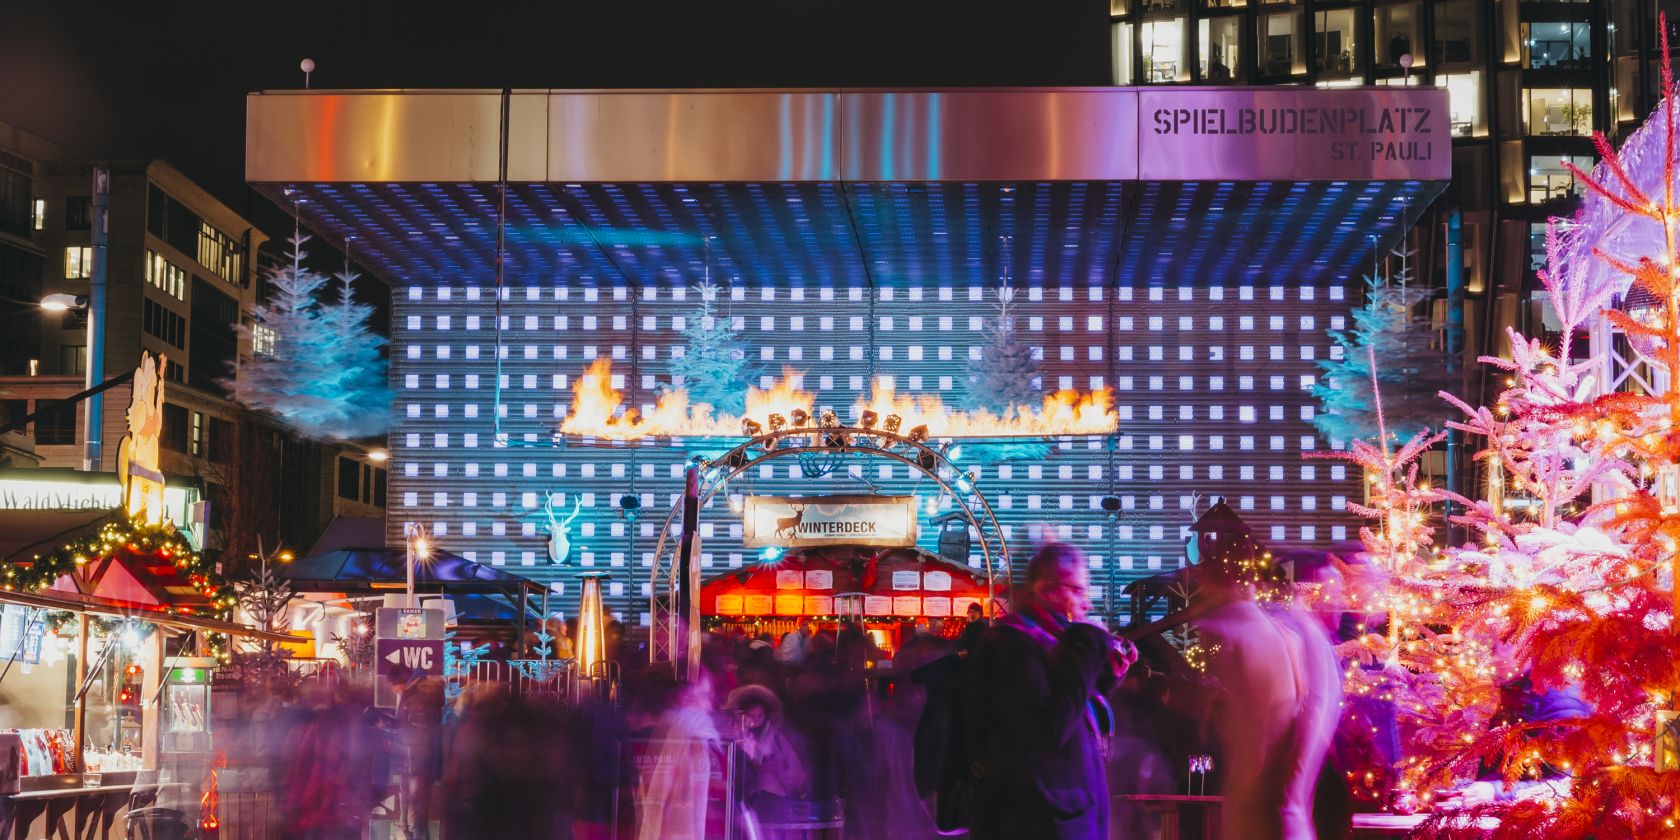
{"x": 713, "y": 368}
{"x": 1394, "y": 326}
{"x": 1006, "y": 374}
{"x": 315, "y": 365}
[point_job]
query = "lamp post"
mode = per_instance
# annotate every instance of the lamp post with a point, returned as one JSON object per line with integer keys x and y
{"x": 417, "y": 544}
{"x": 93, "y": 426}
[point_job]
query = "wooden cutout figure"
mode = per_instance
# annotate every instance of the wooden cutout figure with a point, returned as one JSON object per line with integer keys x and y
{"x": 137, "y": 455}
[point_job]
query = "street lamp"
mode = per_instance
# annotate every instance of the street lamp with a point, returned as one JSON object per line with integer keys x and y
{"x": 417, "y": 544}
{"x": 62, "y": 302}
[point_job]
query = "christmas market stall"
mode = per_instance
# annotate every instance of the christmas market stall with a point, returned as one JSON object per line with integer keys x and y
{"x": 886, "y": 589}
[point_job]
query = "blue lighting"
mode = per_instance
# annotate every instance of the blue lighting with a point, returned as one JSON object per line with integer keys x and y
{"x": 771, "y": 554}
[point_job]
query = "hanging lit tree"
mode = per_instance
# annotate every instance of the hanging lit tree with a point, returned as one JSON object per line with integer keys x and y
{"x": 314, "y": 364}
{"x": 1392, "y": 326}
{"x": 1006, "y": 373}
{"x": 713, "y": 368}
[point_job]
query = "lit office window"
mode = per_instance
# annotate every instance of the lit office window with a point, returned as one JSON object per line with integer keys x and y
{"x": 166, "y": 276}
{"x": 220, "y": 253}
{"x": 39, "y": 216}
{"x": 1458, "y": 32}
{"x": 1560, "y": 46}
{"x": 78, "y": 262}
{"x": 1554, "y": 111}
{"x": 1217, "y": 45}
{"x": 1280, "y": 45}
{"x": 1119, "y": 7}
{"x": 1163, "y": 5}
{"x": 1464, "y": 101}
{"x": 1225, "y": 4}
{"x": 1122, "y": 34}
{"x": 1163, "y": 51}
{"x": 1337, "y": 50}
{"x": 1396, "y": 31}
{"x": 1549, "y": 180}
{"x": 262, "y": 340}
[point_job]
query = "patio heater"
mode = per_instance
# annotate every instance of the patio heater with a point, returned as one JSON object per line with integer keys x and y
{"x": 592, "y": 626}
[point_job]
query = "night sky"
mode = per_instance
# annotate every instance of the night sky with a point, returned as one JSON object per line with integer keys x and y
{"x": 168, "y": 79}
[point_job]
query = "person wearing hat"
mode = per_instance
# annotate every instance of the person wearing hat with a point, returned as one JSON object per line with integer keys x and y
{"x": 774, "y": 771}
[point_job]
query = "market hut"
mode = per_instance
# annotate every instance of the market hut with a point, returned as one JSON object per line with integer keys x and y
{"x": 888, "y": 589}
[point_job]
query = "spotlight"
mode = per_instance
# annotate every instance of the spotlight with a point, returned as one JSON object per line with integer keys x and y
{"x": 954, "y": 453}
{"x": 869, "y": 418}
{"x": 801, "y": 418}
{"x": 777, "y": 421}
{"x": 750, "y": 427}
{"x": 830, "y": 420}
{"x": 919, "y": 434}
{"x": 892, "y": 423}
{"x": 736, "y": 460}
{"x": 771, "y": 553}
{"x": 926, "y": 460}
{"x": 630, "y": 502}
{"x": 1111, "y": 504}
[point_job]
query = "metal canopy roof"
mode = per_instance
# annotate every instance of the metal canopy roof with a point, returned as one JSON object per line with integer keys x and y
{"x": 850, "y": 188}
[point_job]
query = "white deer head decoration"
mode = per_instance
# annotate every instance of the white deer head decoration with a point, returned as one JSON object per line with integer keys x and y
{"x": 559, "y": 530}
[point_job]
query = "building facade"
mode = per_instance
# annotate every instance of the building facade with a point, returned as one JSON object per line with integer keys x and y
{"x": 182, "y": 274}
{"x": 1529, "y": 82}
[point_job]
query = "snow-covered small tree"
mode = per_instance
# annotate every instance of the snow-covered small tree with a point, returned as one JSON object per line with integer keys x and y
{"x": 1003, "y": 375}
{"x": 713, "y": 368}
{"x": 1412, "y": 365}
{"x": 314, "y": 364}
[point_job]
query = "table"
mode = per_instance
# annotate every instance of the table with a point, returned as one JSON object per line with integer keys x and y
{"x": 94, "y": 808}
{"x": 1182, "y": 816}
{"x": 1400, "y": 825}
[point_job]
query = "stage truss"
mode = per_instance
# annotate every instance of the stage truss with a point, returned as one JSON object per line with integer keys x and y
{"x": 676, "y": 640}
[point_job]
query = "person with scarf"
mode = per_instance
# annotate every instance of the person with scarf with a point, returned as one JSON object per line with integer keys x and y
{"x": 1038, "y": 720}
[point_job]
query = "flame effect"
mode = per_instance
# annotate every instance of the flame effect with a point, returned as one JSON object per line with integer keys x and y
{"x": 595, "y": 412}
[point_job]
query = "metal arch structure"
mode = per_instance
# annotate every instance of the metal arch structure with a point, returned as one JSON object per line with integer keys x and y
{"x": 666, "y": 642}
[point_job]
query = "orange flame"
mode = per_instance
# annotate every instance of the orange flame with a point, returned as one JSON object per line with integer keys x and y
{"x": 598, "y": 411}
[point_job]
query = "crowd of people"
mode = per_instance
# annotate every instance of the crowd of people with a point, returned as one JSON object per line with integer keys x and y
{"x": 1043, "y": 709}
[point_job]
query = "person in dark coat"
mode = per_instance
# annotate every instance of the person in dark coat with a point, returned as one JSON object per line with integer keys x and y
{"x": 1037, "y": 714}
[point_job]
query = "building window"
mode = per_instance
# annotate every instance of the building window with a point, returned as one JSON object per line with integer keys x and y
{"x": 78, "y": 213}
{"x": 1117, "y": 8}
{"x": 220, "y": 253}
{"x": 221, "y": 441}
{"x": 78, "y": 262}
{"x": 1394, "y": 30}
{"x": 166, "y": 276}
{"x": 1464, "y": 101}
{"x": 72, "y": 359}
{"x": 1163, "y": 5}
{"x": 1548, "y": 180}
{"x": 195, "y": 438}
{"x": 1217, "y": 41}
{"x": 174, "y": 435}
{"x": 39, "y": 222}
{"x": 1280, "y": 52}
{"x": 73, "y": 319}
{"x": 1226, "y": 4}
{"x": 349, "y": 479}
{"x": 379, "y": 487}
{"x": 57, "y": 425}
{"x": 1338, "y": 51}
{"x": 1554, "y": 111}
{"x": 1163, "y": 51}
{"x": 262, "y": 340}
{"x": 1556, "y": 46}
{"x": 1458, "y": 32}
{"x": 156, "y": 319}
{"x": 1122, "y": 34}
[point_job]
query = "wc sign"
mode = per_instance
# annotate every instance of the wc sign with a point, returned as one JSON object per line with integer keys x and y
{"x": 408, "y": 638}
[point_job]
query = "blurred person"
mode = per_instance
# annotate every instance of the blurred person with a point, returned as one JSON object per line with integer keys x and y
{"x": 775, "y": 772}
{"x": 1281, "y": 694}
{"x": 796, "y": 645}
{"x": 418, "y": 739}
{"x": 973, "y": 630}
{"x": 671, "y": 796}
{"x": 1036, "y": 714}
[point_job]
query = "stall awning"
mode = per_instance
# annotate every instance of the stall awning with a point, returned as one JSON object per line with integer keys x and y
{"x": 67, "y": 602}
{"x": 892, "y": 583}
{"x": 367, "y": 570}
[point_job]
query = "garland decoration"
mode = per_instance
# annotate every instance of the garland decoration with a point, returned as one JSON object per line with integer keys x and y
{"x": 136, "y": 538}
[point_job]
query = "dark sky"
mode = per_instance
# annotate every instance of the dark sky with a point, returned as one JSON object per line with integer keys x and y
{"x": 167, "y": 78}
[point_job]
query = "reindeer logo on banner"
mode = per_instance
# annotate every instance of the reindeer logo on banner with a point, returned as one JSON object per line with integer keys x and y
{"x": 559, "y": 530}
{"x": 787, "y": 526}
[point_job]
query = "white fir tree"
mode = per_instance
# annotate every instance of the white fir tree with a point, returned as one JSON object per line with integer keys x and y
{"x": 1006, "y": 371}
{"x": 713, "y": 368}
{"x": 315, "y": 366}
{"x": 1412, "y": 371}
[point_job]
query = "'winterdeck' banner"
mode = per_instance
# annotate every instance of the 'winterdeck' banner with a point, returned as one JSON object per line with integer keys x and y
{"x": 800, "y": 521}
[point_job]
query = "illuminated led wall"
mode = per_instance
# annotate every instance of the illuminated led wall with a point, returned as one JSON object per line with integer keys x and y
{"x": 1211, "y": 385}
